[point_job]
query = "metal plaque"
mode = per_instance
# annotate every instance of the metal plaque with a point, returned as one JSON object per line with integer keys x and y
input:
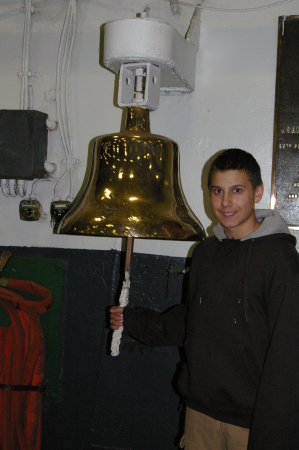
{"x": 285, "y": 174}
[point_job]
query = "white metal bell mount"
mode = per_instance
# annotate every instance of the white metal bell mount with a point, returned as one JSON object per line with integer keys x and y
{"x": 139, "y": 85}
{"x": 149, "y": 43}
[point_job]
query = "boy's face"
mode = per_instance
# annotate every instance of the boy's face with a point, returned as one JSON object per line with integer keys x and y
{"x": 232, "y": 200}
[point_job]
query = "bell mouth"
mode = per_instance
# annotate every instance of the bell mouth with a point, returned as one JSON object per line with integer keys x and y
{"x": 149, "y": 225}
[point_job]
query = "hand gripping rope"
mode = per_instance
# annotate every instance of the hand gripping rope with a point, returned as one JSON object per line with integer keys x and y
{"x": 124, "y": 297}
{"x": 22, "y": 365}
{"x": 123, "y": 301}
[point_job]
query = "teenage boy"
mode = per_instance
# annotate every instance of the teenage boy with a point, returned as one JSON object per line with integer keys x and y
{"x": 240, "y": 326}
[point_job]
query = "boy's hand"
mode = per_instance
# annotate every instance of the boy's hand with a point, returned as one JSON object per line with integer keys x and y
{"x": 116, "y": 317}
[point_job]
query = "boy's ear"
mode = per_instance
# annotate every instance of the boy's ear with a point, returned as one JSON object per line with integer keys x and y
{"x": 259, "y": 191}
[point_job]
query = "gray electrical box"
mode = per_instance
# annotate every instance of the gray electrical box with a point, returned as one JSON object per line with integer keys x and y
{"x": 23, "y": 144}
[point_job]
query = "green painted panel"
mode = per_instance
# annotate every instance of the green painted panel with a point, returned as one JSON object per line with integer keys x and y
{"x": 47, "y": 273}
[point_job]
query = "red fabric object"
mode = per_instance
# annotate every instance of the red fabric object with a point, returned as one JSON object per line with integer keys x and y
{"x": 22, "y": 365}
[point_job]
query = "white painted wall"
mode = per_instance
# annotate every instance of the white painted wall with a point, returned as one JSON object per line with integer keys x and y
{"x": 232, "y": 106}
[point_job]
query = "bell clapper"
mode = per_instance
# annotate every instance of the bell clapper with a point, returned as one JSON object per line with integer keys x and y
{"x": 124, "y": 295}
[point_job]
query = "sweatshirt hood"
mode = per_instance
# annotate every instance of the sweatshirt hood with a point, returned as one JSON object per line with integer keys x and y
{"x": 271, "y": 223}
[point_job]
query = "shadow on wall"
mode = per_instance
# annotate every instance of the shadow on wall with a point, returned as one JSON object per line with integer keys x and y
{"x": 206, "y": 193}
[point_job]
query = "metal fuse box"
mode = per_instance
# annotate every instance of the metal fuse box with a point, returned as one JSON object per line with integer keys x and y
{"x": 23, "y": 144}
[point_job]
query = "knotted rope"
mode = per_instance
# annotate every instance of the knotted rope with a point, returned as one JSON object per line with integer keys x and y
{"x": 123, "y": 301}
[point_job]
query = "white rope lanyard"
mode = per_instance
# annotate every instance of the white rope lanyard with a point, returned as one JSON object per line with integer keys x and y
{"x": 123, "y": 301}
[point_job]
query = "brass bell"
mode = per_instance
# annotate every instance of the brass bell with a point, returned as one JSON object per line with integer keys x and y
{"x": 133, "y": 188}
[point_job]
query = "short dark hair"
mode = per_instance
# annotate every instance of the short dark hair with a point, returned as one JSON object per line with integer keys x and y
{"x": 237, "y": 159}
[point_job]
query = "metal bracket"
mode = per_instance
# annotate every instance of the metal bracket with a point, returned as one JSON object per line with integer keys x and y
{"x": 172, "y": 271}
{"x": 193, "y": 33}
{"x": 151, "y": 41}
{"x": 139, "y": 85}
{"x": 4, "y": 259}
{"x": 175, "y": 7}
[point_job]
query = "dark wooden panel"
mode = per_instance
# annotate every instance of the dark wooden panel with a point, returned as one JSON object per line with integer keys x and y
{"x": 285, "y": 180}
{"x": 126, "y": 402}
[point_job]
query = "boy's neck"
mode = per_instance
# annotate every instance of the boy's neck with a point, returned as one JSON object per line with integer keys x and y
{"x": 241, "y": 234}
